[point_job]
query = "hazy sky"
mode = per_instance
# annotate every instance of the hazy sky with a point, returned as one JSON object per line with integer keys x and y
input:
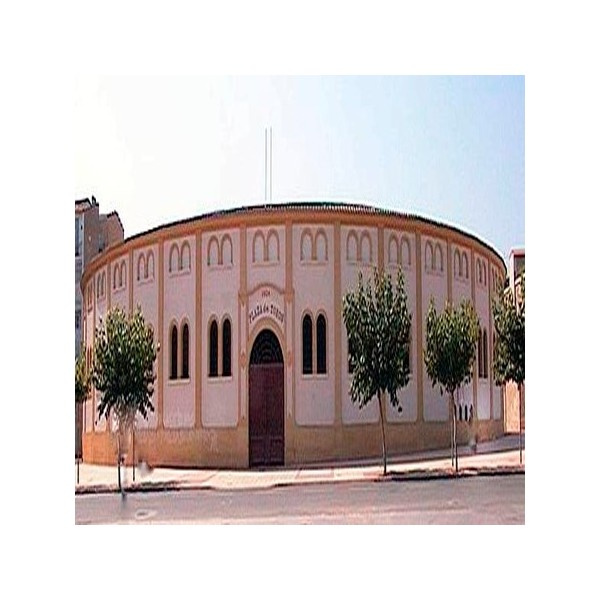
{"x": 161, "y": 149}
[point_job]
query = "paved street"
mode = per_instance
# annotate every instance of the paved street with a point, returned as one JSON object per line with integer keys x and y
{"x": 469, "y": 500}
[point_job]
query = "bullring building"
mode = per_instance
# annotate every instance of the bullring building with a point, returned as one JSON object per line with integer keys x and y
{"x": 253, "y": 368}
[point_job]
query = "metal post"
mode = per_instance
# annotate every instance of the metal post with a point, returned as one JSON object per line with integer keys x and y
{"x": 270, "y": 165}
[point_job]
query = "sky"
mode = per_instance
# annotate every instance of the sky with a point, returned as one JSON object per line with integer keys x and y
{"x": 159, "y": 149}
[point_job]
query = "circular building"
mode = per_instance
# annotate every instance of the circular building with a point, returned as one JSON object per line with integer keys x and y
{"x": 253, "y": 367}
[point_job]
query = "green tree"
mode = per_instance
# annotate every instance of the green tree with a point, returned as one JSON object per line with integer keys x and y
{"x": 82, "y": 391}
{"x": 450, "y": 353}
{"x": 123, "y": 373}
{"x": 378, "y": 325}
{"x": 509, "y": 349}
{"x": 82, "y": 379}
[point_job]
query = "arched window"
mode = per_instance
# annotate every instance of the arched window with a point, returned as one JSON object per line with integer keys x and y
{"x": 439, "y": 258}
{"x": 258, "y": 248}
{"x": 213, "y": 345}
{"x": 173, "y": 373}
{"x": 321, "y": 344}
{"x": 115, "y": 276}
{"x": 141, "y": 267}
{"x": 186, "y": 257}
{"x": 428, "y": 256}
{"x": 273, "y": 247}
{"x": 479, "y": 356}
{"x": 226, "y": 251}
{"x": 306, "y": 246}
{"x": 321, "y": 243}
{"x": 185, "y": 352}
{"x": 174, "y": 259}
{"x": 457, "y": 266}
{"x": 226, "y": 348}
{"x": 408, "y": 357}
{"x": 465, "y": 265}
{"x": 393, "y": 251}
{"x": 365, "y": 248}
{"x": 307, "y": 345}
{"x": 405, "y": 257}
{"x": 213, "y": 252}
{"x": 485, "y": 355}
{"x": 150, "y": 265}
{"x": 352, "y": 247}
{"x": 484, "y": 270}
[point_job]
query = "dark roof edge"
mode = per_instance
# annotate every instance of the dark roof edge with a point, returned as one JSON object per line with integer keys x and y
{"x": 344, "y": 207}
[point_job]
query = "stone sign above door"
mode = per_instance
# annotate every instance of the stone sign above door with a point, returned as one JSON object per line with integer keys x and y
{"x": 266, "y": 301}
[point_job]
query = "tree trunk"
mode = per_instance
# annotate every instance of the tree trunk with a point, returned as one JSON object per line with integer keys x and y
{"x": 451, "y": 434}
{"x": 453, "y": 457}
{"x": 455, "y": 441}
{"x": 382, "y": 433}
{"x": 119, "y": 462}
{"x": 520, "y": 429}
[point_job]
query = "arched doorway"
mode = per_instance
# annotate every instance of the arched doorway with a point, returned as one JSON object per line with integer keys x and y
{"x": 266, "y": 410}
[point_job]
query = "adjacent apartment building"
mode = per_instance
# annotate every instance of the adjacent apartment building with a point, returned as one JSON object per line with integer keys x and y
{"x": 94, "y": 233}
{"x": 516, "y": 268}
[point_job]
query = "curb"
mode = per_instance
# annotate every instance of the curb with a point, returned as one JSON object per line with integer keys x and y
{"x": 413, "y": 475}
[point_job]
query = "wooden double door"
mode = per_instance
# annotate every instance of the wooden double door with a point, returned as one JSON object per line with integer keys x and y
{"x": 266, "y": 402}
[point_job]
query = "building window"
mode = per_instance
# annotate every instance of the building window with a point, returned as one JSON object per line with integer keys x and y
{"x": 352, "y": 247}
{"x": 213, "y": 252}
{"x": 77, "y": 238}
{"x": 185, "y": 353}
{"x": 480, "y": 355}
{"x": 306, "y": 246}
{"x": 258, "y": 248}
{"x": 321, "y": 344}
{"x": 307, "y": 345}
{"x": 226, "y": 348}
{"x": 438, "y": 259}
{"x": 393, "y": 251}
{"x": 405, "y": 257}
{"x": 226, "y": 251}
{"x": 365, "y": 248}
{"x": 321, "y": 244}
{"x": 407, "y": 356}
{"x": 351, "y": 358}
{"x": 186, "y": 257}
{"x": 142, "y": 271}
{"x": 149, "y": 272}
{"x": 272, "y": 247}
{"x": 485, "y": 355}
{"x": 213, "y": 345}
{"x": 429, "y": 256}
{"x": 173, "y": 374}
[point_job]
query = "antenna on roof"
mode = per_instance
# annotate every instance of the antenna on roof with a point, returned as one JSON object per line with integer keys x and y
{"x": 269, "y": 165}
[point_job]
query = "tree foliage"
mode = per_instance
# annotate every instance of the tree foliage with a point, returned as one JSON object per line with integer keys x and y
{"x": 82, "y": 379}
{"x": 123, "y": 373}
{"x": 378, "y": 325}
{"x": 509, "y": 349}
{"x": 451, "y": 342}
{"x": 451, "y": 345}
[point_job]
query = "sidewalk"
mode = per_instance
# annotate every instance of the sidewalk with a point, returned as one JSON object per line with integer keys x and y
{"x": 492, "y": 458}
